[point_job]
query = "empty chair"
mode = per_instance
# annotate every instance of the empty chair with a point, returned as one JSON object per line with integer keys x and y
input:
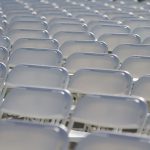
{"x": 143, "y": 32}
{"x": 23, "y": 135}
{"x": 141, "y": 88}
{"x": 35, "y": 43}
{"x": 90, "y": 17}
{"x": 103, "y": 140}
{"x": 126, "y": 50}
{"x": 40, "y": 57}
{"x": 114, "y": 40}
{"x": 79, "y": 61}
{"x": 63, "y": 37}
{"x": 91, "y": 24}
{"x": 72, "y": 27}
{"x": 99, "y": 30}
{"x": 94, "y": 81}
{"x": 110, "y": 112}
{"x": 137, "y": 66}
{"x": 28, "y": 25}
{"x": 4, "y": 55}
{"x": 23, "y": 33}
{"x": 37, "y": 76}
{"x": 135, "y": 23}
{"x": 36, "y": 103}
{"x": 70, "y": 47}
{"x": 64, "y": 20}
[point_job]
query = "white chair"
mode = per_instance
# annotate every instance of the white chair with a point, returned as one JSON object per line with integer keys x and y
{"x": 70, "y": 47}
{"x": 126, "y": 50}
{"x": 94, "y": 81}
{"x": 137, "y": 66}
{"x": 90, "y": 17}
{"x": 106, "y": 140}
{"x": 143, "y": 32}
{"x": 40, "y": 57}
{"x": 99, "y": 30}
{"x": 23, "y": 33}
{"x": 63, "y": 37}
{"x": 135, "y": 23}
{"x": 91, "y": 24}
{"x": 35, "y": 103}
{"x": 79, "y": 61}
{"x": 141, "y": 88}
{"x": 118, "y": 113}
{"x": 35, "y": 43}
{"x": 72, "y": 27}
{"x": 37, "y": 76}
{"x": 3, "y": 75}
{"x": 114, "y": 40}
{"x": 23, "y": 135}
{"x": 64, "y": 20}
{"x": 28, "y": 25}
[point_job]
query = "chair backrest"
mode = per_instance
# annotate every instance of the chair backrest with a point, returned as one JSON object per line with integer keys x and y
{"x": 107, "y": 141}
{"x": 28, "y": 25}
{"x": 37, "y": 76}
{"x": 141, "y": 87}
{"x": 99, "y": 30}
{"x": 23, "y": 33}
{"x": 40, "y": 57}
{"x": 5, "y": 42}
{"x": 3, "y": 75}
{"x": 135, "y": 23}
{"x": 35, "y": 43}
{"x": 63, "y": 37}
{"x": 37, "y": 103}
{"x": 79, "y": 61}
{"x": 143, "y": 32}
{"x": 72, "y": 27}
{"x": 114, "y": 40}
{"x": 94, "y": 81}
{"x": 107, "y": 111}
{"x": 137, "y": 66}
{"x": 91, "y": 24}
{"x": 70, "y": 47}
{"x": 23, "y": 135}
{"x": 126, "y": 50}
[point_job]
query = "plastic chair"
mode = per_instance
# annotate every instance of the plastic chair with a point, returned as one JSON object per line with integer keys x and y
{"x": 63, "y": 37}
{"x": 23, "y": 135}
{"x": 49, "y": 105}
{"x": 23, "y": 33}
{"x": 108, "y": 112}
{"x": 72, "y": 27}
{"x": 105, "y": 140}
{"x": 37, "y": 76}
{"x": 94, "y": 81}
{"x": 4, "y": 55}
{"x": 137, "y": 66}
{"x": 35, "y": 43}
{"x": 126, "y": 50}
{"x": 114, "y": 40}
{"x": 99, "y": 30}
{"x": 70, "y": 47}
{"x": 141, "y": 88}
{"x": 40, "y": 57}
{"x": 5, "y": 42}
{"x": 79, "y": 61}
